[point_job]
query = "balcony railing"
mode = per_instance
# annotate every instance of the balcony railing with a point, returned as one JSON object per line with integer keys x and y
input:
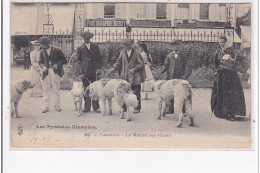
{"x": 109, "y": 16}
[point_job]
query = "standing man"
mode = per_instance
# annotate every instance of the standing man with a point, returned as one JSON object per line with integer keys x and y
{"x": 131, "y": 68}
{"x": 51, "y": 61}
{"x": 89, "y": 59}
{"x": 176, "y": 67}
{"x": 26, "y": 57}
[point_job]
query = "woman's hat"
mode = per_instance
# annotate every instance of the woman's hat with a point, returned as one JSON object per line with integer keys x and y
{"x": 127, "y": 41}
{"x": 86, "y": 34}
{"x": 35, "y": 42}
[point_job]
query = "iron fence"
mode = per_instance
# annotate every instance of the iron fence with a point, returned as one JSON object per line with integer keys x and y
{"x": 155, "y": 34}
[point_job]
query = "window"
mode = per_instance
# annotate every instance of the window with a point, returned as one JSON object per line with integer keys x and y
{"x": 161, "y": 11}
{"x": 183, "y": 11}
{"x": 222, "y": 12}
{"x": 204, "y": 11}
{"x": 109, "y": 10}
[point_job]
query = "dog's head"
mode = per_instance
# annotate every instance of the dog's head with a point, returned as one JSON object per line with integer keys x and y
{"x": 77, "y": 91}
{"x": 24, "y": 85}
{"x": 123, "y": 87}
{"x": 90, "y": 92}
{"x": 77, "y": 98}
{"x": 158, "y": 84}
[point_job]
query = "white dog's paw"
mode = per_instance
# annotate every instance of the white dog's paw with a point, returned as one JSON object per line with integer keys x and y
{"x": 103, "y": 113}
{"x": 128, "y": 119}
{"x": 110, "y": 113}
{"x": 76, "y": 109}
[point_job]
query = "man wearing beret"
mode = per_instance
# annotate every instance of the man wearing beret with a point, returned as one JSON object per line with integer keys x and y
{"x": 130, "y": 66}
{"x": 51, "y": 62}
{"x": 89, "y": 61}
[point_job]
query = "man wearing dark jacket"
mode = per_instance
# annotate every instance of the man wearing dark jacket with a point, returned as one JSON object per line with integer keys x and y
{"x": 130, "y": 66}
{"x": 89, "y": 62}
{"x": 51, "y": 62}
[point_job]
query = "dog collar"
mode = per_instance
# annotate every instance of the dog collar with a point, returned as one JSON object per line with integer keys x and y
{"x": 19, "y": 92}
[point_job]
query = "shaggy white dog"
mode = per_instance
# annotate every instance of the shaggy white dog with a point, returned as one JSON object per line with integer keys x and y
{"x": 77, "y": 93}
{"x": 106, "y": 89}
{"x": 180, "y": 91}
{"x": 17, "y": 90}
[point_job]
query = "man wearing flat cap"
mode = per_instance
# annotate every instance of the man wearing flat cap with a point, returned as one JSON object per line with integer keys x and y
{"x": 130, "y": 66}
{"x": 51, "y": 62}
{"x": 89, "y": 62}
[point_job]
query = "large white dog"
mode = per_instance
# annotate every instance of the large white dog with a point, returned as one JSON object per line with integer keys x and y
{"x": 105, "y": 89}
{"x": 17, "y": 90}
{"x": 180, "y": 91}
{"x": 77, "y": 93}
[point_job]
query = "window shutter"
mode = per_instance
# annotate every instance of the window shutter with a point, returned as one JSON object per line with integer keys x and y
{"x": 195, "y": 11}
{"x": 118, "y": 10}
{"x": 148, "y": 11}
{"x": 100, "y": 10}
{"x": 222, "y": 12}
{"x": 169, "y": 11}
{"x": 153, "y": 11}
{"x": 132, "y": 11}
{"x": 213, "y": 12}
{"x": 121, "y": 10}
{"x": 95, "y": 12}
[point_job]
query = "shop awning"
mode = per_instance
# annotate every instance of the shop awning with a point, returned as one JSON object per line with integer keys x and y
{"x": 28, "y": 19}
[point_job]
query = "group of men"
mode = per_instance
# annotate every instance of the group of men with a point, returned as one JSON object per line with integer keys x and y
{"x": 129, "y": 65}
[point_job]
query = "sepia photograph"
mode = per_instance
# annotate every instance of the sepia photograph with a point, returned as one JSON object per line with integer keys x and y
{"x": 130, "y": 75}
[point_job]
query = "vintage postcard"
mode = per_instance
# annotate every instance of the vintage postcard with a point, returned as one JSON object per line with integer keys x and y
{"x": 130, "y": 75}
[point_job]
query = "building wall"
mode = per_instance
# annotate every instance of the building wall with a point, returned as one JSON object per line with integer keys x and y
{"x": 148, "y": 11}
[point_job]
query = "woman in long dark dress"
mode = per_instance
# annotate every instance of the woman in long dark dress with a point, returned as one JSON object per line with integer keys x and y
{"x": 227, "y": 98}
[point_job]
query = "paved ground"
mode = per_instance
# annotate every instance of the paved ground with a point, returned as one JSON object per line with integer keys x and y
{"x": 145, "y": 131}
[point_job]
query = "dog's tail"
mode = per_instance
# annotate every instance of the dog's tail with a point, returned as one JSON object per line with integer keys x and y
{"x": 131, "y": 100}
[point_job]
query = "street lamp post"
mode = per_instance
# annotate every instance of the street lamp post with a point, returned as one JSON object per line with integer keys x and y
{"x": 229, "y": 28}
{"x": 48, "y": 26}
